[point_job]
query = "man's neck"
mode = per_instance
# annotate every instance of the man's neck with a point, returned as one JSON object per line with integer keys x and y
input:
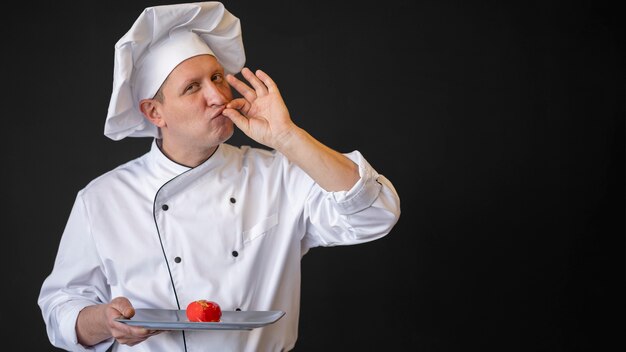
{"x": 190, "y": 157}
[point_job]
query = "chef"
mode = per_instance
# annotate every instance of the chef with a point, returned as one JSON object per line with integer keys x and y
{"x": 197, "y": 218}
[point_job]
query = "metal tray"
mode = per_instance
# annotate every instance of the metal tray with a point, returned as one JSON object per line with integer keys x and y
{"x": 172, "y": 319}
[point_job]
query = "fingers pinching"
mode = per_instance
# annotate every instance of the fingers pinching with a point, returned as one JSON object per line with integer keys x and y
{"x": 236, "y": 104}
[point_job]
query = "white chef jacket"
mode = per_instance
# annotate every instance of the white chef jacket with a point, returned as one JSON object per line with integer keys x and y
{"x": 232, "y": 230}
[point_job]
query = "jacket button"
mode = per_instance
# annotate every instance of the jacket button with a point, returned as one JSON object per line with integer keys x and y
{"x": 164, "y": 207}
{"x": 235, "y": 253}
{"x": 177, "y": 259}
{"x": 233, "y": 200}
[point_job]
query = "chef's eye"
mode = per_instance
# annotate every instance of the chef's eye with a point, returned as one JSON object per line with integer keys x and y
{"x": 192, "y": 87}
{"x": 217, "y": 78}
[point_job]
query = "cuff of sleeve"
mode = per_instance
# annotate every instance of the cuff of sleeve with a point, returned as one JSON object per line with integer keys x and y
{"x": 363, "y": 193}
{"x": 67, "y": 326}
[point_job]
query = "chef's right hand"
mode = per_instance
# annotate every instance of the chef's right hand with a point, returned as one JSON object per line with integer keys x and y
{"x": 120, "y": 307}
{"x": 96, "y": 323}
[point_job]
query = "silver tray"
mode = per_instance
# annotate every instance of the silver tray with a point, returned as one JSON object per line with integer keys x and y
{"x": 172, "y": 319}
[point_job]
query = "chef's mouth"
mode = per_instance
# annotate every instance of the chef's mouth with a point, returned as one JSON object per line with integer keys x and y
{"x": 218, "y": 113}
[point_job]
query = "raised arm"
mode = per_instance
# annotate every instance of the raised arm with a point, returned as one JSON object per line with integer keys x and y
{"x": 263, "y": 116}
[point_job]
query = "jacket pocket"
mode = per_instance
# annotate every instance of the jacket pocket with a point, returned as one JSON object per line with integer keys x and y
{"x": 260, "y": 229}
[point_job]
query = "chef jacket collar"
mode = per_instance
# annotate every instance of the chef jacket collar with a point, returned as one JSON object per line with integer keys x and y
{"x": 163, "y": 162}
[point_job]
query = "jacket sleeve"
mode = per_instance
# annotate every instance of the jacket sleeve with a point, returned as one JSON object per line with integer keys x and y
{"x": 76, "y": 281}
{"x": 366, "y": 212}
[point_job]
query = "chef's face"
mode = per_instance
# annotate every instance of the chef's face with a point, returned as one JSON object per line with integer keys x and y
{"x": 194, "y": 96}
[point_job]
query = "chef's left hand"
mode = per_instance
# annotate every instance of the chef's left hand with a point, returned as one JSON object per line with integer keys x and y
{"x": 261, "y": 113}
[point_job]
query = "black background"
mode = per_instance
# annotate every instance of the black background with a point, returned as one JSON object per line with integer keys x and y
{"x": 500, "y": 124}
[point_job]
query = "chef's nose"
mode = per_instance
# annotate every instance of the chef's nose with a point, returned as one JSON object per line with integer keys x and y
{"x": 215, "y": 95}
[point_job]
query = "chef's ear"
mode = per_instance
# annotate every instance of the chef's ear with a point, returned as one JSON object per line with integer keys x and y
{"x": 149, "y": 109}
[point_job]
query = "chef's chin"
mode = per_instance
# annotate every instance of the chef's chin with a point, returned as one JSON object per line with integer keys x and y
{"x": 225, "y": 130}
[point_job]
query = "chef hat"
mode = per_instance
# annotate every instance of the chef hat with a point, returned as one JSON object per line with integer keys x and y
{"x": 161, "y": 38}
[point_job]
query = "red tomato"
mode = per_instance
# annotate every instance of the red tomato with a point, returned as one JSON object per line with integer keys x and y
{"x": 204, "y": 311}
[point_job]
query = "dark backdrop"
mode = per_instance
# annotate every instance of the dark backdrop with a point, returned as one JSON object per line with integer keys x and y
{"x": 500, "y": 124}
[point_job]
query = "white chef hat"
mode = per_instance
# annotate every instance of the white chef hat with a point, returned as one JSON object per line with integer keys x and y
{"x": 161, "y": 38}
